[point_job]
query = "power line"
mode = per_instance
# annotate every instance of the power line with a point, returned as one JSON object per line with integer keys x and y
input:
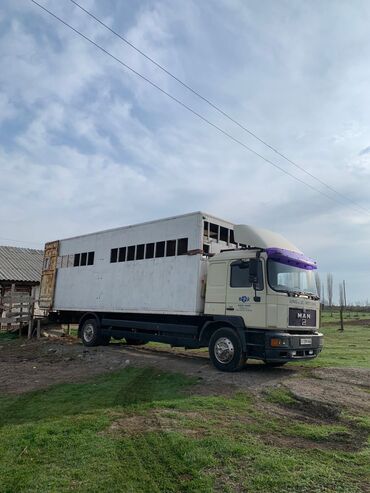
{"x": 218, "y": 109}
{"x": 178, "y": 101}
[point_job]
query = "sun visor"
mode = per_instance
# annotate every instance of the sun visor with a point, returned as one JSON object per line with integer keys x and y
{"x": 288, "y": 257}
{"x": 261, "y": 238}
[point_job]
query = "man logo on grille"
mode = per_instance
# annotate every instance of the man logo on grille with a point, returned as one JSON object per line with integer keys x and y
{"x": 305, "y": 316}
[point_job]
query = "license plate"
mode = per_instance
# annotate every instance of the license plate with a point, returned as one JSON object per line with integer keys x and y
{"x": 307, "y": 341}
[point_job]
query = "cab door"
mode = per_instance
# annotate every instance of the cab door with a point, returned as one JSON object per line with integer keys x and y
{"x": 241, "y": 299}
{"x": 216, "y": 288}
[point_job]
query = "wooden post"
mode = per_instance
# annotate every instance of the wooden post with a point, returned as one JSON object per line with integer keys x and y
{"x": 31, "y": 306}
{"x": 345, "y": 295}
{"x": 20, "y": 316}
{"x": 38, "y": 332}
{"x": 29, "y": 334}
{"x": 1, "y": 304}
{"x": 10, "y": 307}
{"x": 341, "y": 318}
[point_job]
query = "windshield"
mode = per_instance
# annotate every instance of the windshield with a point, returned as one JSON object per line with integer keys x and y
{"x": 288, "y": 278}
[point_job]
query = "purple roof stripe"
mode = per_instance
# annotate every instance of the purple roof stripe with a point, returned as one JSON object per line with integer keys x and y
{"x": 288, "y": 257}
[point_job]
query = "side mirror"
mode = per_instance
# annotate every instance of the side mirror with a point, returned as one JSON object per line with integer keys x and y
{"x": 253, "y": 276}
{"x": 253, "y": 271}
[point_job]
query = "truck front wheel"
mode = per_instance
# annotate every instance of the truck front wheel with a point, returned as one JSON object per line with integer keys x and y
{"x": 90, "y": 334}
{"x": 225, "y": 350}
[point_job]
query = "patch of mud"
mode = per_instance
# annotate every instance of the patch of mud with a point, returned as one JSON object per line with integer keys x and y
{"x": 301, "y": 411}
{"x": 329, "y": 396}
{"x": 224, "y": 481}
{"x": 164, "y": 420}
{"x": 30, "y": 365}
{"x": 338, "y": 441}
{"x": 349, "y": 376}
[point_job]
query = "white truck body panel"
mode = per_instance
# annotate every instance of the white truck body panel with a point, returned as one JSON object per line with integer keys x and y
{"x": 171, "y": 285}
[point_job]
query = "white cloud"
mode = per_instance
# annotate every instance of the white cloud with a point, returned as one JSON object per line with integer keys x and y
{"x": 91, "y": 146}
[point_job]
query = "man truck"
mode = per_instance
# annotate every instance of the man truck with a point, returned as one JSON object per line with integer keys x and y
{"x": 191, "y": 281}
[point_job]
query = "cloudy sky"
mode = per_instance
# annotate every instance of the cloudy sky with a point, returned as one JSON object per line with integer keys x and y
{"x": 86, "y": 145}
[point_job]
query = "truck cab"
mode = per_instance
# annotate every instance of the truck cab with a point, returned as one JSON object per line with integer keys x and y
{"x": 269, "y": 286}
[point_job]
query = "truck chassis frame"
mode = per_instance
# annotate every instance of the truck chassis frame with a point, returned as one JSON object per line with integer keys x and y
{"x": 196, "y": 331}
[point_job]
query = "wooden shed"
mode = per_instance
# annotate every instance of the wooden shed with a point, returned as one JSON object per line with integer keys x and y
{"x": 20, "y": 267}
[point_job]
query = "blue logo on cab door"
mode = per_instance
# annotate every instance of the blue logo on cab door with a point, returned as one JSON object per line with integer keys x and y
{"x": 244, "y": 299}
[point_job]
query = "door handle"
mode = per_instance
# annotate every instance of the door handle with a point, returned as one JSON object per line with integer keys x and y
{"x": 230, "y": 308}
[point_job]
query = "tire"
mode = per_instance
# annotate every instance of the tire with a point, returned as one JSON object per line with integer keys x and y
{"x": 90, "y": 334}
{"x": 225, "y": 350}
{"x": 275, "y": 364}
{"x": 135, "y": 342}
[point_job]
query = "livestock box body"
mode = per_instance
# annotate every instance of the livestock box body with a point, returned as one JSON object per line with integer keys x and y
{"x": 153, "y": 267}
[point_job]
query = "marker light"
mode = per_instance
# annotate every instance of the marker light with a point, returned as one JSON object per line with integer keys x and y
{"x": 276, "y": 342}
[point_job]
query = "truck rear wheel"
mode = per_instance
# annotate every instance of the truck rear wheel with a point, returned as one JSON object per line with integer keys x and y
{"x": 90, "y": 334}
{"x": 225, "y": 350}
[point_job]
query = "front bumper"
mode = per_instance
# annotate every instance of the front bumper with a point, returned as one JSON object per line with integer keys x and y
{"x": 293, "y": 347}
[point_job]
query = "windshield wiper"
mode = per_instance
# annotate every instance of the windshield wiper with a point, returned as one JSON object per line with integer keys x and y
{"x": 294, "y": 293}
{"x": 291, "y": 293}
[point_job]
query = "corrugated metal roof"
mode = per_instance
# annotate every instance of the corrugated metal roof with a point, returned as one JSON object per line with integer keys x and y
{"x": 20, "y": 264}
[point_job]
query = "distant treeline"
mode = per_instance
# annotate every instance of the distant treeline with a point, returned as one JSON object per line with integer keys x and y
{"x": 349, "y": 308}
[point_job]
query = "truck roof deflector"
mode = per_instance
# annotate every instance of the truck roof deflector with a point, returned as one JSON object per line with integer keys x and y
{"x": 276, "y": 246}
{"x": 288, "y": 257}
{"x": 261, "y": 238}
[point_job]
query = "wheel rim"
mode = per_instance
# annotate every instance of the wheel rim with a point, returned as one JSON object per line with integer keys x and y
{"x": 224, "y": 350}
{"x": 89, "y": 332}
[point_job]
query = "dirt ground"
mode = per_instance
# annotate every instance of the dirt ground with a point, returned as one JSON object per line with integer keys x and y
{"x": 31, "y": 365}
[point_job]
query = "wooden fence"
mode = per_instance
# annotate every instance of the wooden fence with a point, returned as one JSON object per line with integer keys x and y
{"x": 16, "y": 311}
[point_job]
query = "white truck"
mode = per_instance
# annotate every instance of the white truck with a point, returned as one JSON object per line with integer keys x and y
{"x": 191, "y": 281}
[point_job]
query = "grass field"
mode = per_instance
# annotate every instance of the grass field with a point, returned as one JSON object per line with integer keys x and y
{"x": 143, "y": 430}
{"x": 350, "y": 348}
{"x": 136, "y": 431}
